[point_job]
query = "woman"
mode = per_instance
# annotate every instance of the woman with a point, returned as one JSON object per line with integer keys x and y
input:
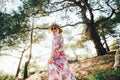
{"x": 58, "y": 68}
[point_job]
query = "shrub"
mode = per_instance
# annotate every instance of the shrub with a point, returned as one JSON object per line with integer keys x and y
{"x": 106, "y": 75}
{"x": 5, "y": 76}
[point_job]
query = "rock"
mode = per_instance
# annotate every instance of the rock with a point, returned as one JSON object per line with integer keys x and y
{"x": 35, "y": 76}
{"x": 117, "y": 60}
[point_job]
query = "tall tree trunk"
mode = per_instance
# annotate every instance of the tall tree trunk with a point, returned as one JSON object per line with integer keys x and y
{"x": 104, "y": 39}
{"x": 18, "y": 69}
{"x": 96, "y": 39}
{"x": 91, "y": 27}
{"x": 26, "y": 70}
{"x": 30, "y": 56}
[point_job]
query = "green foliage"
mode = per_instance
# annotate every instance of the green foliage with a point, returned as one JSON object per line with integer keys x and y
{"x": 12, "y": 28}
{"x": 34, "y": 65}
{"x": 108, "y": 27}
{"x": 106, "y": 75}
{"x": 79, "y": 44}
{"x": 116, "y": 19}
{"x": 33, "y": 7}
{"x": 39, "y": 35}
{"x": 115, "y": 44}
{"x": 4, "y": 76}
{"x": 34, "y": 3}
{"x": 84, "y": 37}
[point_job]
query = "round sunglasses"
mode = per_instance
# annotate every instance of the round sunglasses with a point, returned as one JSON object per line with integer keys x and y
{"x": 53, "y": 28}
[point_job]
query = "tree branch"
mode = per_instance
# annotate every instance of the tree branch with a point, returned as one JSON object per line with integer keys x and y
{"x": 104, "y": 19}
{"x": 60, "y": 9}
{"x": 89, "y": 9}
{"x": 5, "y": 54}
{"x": 77, "y": 3}
{"x": 57, "y": 3}
{"x": 73, "y": 24}
{"x": 41, "y": 28}
{"x": 76, "y": 35}
{"x": 46, "y": 13}
{"x": 100, "y": 7}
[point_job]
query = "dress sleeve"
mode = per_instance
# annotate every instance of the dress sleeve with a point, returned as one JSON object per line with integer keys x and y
{"x": 58, "y": 42}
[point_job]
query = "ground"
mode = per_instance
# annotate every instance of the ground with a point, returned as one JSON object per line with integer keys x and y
{"x": 83, "y": 69}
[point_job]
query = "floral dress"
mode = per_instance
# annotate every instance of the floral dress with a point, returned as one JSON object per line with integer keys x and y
{"x": 59, "y": 69}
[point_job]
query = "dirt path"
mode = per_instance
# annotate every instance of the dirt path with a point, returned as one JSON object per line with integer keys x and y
{"x": 83, "y": 69}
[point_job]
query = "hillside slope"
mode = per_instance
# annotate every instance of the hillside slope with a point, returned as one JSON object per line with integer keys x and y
{"x": 83, "y": 69}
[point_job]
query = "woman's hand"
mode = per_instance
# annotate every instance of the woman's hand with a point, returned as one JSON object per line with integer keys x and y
{"x": 50, "y": 61}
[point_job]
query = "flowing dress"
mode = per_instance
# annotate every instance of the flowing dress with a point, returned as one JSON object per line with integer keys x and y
{"x": 59, "y": 69}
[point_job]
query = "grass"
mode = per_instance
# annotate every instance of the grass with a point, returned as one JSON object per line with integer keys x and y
{"x": 4, "y": 76}
{"x": 106, "y": 75}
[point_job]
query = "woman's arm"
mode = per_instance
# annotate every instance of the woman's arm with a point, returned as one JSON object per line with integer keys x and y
{"x": 56, "y": 46}
{"x": 50, "y": 61}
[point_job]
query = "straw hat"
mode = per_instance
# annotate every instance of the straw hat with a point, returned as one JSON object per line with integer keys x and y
{"x": 57, "y": 26}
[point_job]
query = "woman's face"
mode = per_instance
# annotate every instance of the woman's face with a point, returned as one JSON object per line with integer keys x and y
{"x": 54, "y": 29}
